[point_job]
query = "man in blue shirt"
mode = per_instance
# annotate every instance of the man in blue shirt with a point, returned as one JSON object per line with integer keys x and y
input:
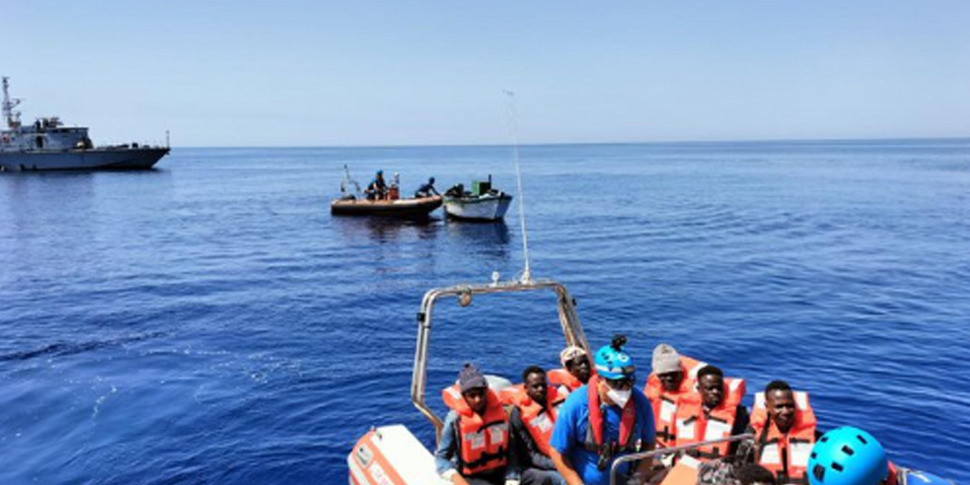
{"x": 376, "y": 189}
{"x": 603, "y": 420}
{"x": 426, "y": 190}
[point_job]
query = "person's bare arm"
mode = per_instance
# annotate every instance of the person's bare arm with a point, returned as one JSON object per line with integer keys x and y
{"x": 565, "y": 468}
{"x": 645, "y": 467}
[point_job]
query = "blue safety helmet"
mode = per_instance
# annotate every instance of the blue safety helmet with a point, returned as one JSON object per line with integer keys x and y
{"x": 431, "y": 180}
{"x": 847, "y": 456}
{"x": 612, "y": 362}
{"x": 380, "y": 172}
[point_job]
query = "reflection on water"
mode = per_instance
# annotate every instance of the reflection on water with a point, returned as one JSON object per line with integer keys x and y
{"x": 39, "y": 196}
{"x": 384, "y": 230}
{"x": 23, "y": 187}
{"x": 387, "y": 243}
{"x": 487, "y": 239}
{"x": 492, "y": 232}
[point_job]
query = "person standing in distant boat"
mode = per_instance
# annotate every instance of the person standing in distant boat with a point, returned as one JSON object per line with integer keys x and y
{"x": 377, "y": 189}
{"x": 427, "y": 190}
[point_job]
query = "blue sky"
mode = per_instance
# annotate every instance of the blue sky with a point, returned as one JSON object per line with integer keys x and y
{"x": 323, "y": 73}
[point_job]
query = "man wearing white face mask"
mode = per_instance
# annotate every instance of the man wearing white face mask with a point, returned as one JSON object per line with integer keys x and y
{"x": 603, "y": 420}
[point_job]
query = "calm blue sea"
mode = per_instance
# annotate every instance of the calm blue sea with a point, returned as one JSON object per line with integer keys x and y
{"x": 210, "y": 322}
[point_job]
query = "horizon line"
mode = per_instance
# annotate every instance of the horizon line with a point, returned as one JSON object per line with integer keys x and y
{"x": 541, "y": 144}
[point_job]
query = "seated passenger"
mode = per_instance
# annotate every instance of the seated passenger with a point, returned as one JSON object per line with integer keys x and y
{"x": 427, "y": 190}
{"x": 394, "y": 190}
{"x": 672, "y": 378}
{"x": 377, "y": 189}
{"x": 715, "y": 412}
{"x": 475, "y": 437}
{"x": 784, "y": 427}
{"x": 575, "y": 370}
{"x": 850, "y": 456}
{"x": 532, "y": 418}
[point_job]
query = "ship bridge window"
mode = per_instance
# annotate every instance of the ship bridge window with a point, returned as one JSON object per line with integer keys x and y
{"x": 40, "y": 142}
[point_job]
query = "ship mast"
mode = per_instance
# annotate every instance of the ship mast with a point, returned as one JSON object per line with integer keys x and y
{"x": 12, "y": 117}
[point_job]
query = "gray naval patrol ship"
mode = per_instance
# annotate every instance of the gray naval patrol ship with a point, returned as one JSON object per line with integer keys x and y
{"x": 49, "y": 145}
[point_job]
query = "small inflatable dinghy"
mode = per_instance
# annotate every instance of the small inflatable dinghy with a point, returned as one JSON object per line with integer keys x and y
{"x": 401, "y": 208}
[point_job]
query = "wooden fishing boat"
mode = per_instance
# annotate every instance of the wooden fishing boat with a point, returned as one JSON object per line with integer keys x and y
{"x": 482, "y": 203}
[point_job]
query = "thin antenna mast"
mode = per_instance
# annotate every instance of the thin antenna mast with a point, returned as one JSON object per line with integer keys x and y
{"x": 514, "y": 134}
{"x": 10, "y": 116}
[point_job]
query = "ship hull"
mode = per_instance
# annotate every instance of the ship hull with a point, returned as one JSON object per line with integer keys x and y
{"x": 95, "y": 159}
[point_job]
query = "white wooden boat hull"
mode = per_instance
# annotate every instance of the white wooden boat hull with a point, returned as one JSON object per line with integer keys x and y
{"x": 488, "y": 207}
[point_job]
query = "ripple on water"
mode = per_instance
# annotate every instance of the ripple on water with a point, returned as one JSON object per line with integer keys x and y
{"x": 210, "y": 322}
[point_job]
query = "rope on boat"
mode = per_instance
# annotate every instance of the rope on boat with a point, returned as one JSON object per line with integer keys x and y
{"x": 514, "y": 135}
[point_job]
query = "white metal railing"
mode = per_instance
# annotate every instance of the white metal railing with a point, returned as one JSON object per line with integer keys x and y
{"x": 569, "y": 322}
{"x": 665, "y": 451}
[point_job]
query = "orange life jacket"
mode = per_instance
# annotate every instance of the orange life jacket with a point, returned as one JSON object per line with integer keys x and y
{"x": 785, "y": 454}
{"x": 484, "y": 439}
{"x": 563, "y": 381}
{"x": 594, "y": 440}
{"x": 692, "y": 425}
{"x": 665, "y": 402}
{"x": 507, "y": 395}
{"x": 538, "y": 420}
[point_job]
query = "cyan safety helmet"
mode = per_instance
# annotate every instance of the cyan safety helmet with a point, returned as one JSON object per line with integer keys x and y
{"x": 847, "y": 456}
{"x": 612, "y": 362}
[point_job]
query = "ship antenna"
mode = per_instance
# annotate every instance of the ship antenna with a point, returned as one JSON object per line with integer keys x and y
{"x": 514, "y": 135}
{"x": 12, "y": 117}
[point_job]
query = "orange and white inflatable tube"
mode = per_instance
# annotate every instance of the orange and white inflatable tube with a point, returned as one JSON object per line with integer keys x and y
{"x": 391, "y": 455}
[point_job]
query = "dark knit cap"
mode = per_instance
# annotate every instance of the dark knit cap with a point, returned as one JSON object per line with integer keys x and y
{"x": 471, "y": 377}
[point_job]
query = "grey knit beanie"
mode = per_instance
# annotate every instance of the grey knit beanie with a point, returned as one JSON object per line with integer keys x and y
{"x": 665, "y": 359}
{"x": 471, "y": 377}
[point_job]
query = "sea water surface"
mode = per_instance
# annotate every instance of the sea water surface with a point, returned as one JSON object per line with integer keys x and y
{"x": 210, "y": 322}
